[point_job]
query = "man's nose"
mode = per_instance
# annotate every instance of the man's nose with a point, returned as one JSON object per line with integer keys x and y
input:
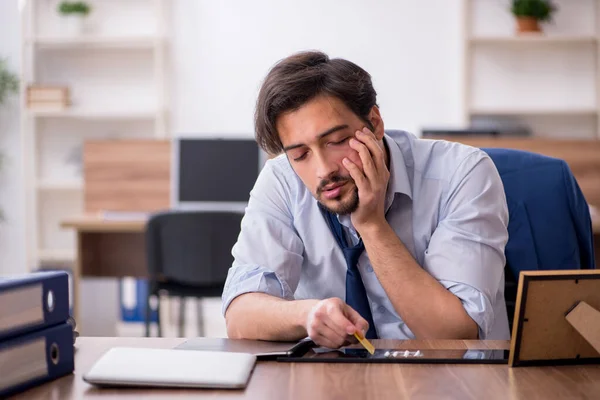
{"x": 325, "y": 167}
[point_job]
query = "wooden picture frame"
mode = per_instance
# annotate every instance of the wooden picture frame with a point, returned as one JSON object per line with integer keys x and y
{"x": 557, "y": 318}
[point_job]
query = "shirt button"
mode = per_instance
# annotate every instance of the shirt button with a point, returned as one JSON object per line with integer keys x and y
{"x": 369, "y": 268}
{"x": 382, "y": 309}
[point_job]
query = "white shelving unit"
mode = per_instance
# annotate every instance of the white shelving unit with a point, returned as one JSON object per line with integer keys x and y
{"x": 116, "y": 73}
{"x": 548, "y": 81}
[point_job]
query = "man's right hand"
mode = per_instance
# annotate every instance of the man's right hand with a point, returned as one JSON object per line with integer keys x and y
{"x": 332, "y": 323}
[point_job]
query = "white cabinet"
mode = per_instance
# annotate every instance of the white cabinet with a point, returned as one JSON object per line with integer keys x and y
{"x": 116, "y": 74}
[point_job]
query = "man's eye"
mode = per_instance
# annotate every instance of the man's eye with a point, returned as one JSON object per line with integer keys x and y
{"x": 302, "y": 157}
{"x": 341, "y": 141}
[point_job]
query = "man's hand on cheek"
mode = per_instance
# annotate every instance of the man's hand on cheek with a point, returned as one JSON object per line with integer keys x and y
{"x": 371, "y": 181}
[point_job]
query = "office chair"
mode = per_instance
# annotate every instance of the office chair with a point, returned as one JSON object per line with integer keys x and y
{"x": 188, "y": 255}
{"x": 549, "y": 227}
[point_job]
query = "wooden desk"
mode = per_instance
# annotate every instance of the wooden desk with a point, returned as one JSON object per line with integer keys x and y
{"x": 273, "y": 380}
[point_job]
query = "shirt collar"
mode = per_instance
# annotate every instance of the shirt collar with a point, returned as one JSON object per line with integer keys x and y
{"x": 399, "y": 182}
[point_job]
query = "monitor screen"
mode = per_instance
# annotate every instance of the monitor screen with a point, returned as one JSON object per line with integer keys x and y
{"x": 215, "y": 170}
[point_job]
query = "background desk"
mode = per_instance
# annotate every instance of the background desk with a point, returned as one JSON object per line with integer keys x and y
{"x": 107, "y": 248}
{"x": 272, "y": 380}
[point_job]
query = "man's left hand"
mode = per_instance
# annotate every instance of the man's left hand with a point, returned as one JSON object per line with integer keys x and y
{"x": 371, "y": 181}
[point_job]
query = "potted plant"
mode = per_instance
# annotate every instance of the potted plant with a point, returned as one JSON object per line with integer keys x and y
{"x": 73, "y": 14}
{"x": 529, "y": 14}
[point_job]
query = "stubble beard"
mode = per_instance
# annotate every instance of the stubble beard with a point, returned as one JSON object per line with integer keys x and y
{"x": 343, "y": 207}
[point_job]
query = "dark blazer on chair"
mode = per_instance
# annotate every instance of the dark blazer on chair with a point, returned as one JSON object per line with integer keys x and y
{"x": 549, "y": 219}
{"x": 549, "y": 224}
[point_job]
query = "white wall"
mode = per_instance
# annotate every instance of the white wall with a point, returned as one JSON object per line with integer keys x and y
{"x": 221, "y": 51}
{"x": 12, "y": 239}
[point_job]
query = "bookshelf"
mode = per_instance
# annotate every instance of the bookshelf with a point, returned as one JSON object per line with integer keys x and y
{"x": 548, "y": 81}
{"x": 116, "y": 74}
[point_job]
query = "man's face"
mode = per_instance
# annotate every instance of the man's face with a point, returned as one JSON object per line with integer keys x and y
{"x": 316, "y": 139}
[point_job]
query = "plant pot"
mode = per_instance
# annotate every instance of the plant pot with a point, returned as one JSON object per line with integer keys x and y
{"x": 73, "y": 25}
{"x": 527, "y": 25}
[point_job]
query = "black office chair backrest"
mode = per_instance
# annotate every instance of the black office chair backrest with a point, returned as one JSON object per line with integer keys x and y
{"x": 191, "y": 247}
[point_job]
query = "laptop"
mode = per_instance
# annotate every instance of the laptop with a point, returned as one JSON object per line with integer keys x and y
{"x": 126, "y": 366}
{"x": 263, "y": 350}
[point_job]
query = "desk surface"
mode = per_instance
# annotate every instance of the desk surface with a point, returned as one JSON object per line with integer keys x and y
{"x": 272, "y": 380}
{"x": 95, "y": 223}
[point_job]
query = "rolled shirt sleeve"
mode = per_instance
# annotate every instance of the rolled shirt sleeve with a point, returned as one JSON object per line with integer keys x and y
{"x": 466, "y": 251}
{"x": 475, "y": 304}
{"x": 268, "y": 255}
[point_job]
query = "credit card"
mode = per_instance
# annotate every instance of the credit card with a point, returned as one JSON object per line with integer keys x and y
{"x": 366, "y": 344}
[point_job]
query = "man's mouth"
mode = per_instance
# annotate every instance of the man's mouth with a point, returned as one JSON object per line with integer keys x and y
{"x": 332, "y": 191}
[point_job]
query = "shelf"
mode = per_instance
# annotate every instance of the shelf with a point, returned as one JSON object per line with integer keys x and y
{"x": 531, "y": 111}
{"x": 534, "y": 38}
{"x": 97, "y": 42}
{"x": 75, "y": 113}
{"x": 56, "y": 255}
{"x": 55, "y": 185}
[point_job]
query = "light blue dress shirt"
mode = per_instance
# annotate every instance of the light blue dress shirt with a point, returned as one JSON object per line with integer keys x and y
{"x": 446, "y": 203}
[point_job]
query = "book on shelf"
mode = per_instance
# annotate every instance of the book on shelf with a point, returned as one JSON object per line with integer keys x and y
{"x": 48, "y": 98}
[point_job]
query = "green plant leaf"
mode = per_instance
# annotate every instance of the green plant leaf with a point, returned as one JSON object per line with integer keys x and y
{"x": 541, "y": 10}
{"x": 74, "y": 7}
{"x": 9, "y": 82}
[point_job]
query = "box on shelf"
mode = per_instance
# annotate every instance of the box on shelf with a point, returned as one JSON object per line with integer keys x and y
{"x": 48, "y": 98}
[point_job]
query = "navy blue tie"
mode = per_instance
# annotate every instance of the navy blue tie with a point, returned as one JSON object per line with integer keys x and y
{"x": 356, "y": 294}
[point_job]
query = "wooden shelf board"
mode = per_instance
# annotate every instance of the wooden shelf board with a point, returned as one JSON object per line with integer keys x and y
{"x": 102, "y": 42}
{"x": 532, "y": 111}
{"x": 534, "y": 38}
{"x": 67, "y": 185}
{"x": 94, "y": 114}
{"x": 56, "y": 255}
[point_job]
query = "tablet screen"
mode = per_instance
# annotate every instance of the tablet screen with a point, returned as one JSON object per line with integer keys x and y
{"x": 484, "y": 356}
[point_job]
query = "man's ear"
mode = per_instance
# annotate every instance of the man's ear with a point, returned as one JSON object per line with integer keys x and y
{"x": 376, "y": 122}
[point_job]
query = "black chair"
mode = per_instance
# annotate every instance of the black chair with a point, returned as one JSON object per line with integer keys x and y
{"x": 188, "y": 255}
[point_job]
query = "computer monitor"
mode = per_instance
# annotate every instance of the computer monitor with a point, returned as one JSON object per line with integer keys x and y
{"x": 214, "y": 174}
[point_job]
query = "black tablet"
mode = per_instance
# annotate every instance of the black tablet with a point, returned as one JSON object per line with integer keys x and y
{"x": 429, "y": 356}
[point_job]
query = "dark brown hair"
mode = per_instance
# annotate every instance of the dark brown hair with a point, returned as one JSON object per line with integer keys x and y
{"x": 299, "y": 78}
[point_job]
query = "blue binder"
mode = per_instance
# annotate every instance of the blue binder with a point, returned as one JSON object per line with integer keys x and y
{"x": 33, "y": 301}
{"x": 36, "y": 358}
{"x": 132, "y": 296}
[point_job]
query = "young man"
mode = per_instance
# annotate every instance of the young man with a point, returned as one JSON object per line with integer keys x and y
{"x": 357, "y": 229}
